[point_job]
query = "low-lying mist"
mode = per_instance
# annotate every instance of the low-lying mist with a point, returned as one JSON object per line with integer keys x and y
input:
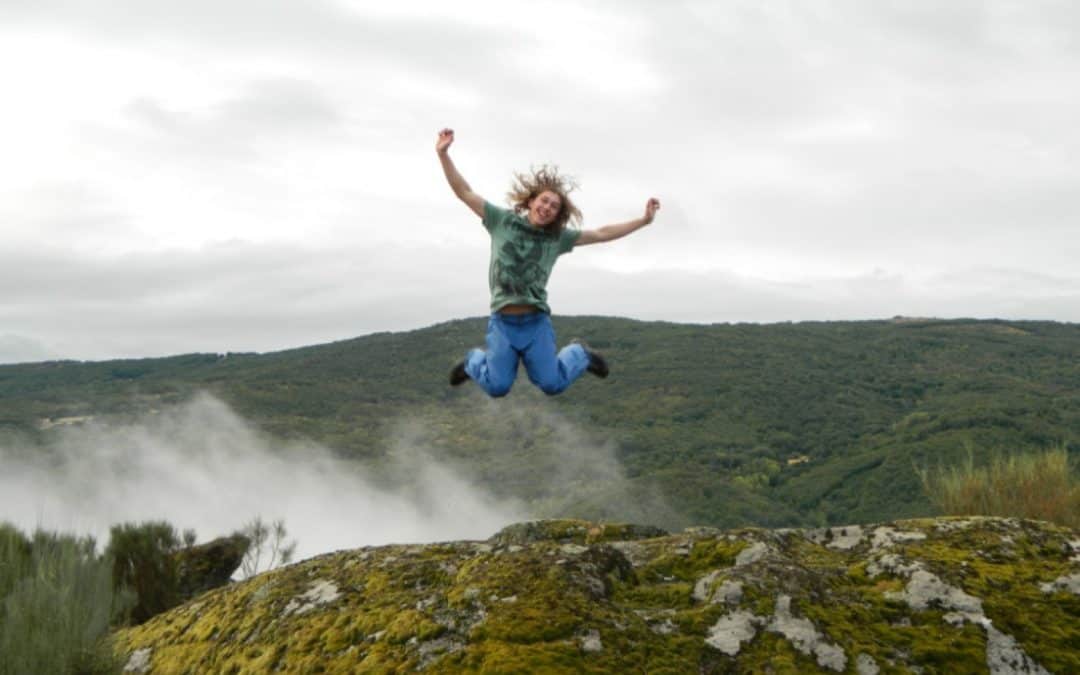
{"x": 200, "y": 466}
{"x": 574, "y": 466}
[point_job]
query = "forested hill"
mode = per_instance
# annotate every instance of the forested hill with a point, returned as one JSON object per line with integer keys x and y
{"x": 725, "y": 425}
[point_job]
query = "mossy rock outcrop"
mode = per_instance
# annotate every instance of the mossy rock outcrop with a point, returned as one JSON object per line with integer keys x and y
{"x": 210, "y": 565}
{"x": 952, "y": 595}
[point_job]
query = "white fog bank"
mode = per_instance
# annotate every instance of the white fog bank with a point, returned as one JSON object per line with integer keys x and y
{"x": 201, "y": 466}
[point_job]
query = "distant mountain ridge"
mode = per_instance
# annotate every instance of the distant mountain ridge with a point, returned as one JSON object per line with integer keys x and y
{"x": 735, "y": 424}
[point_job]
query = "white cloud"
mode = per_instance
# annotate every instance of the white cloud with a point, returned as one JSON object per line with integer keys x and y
{"x": 790, "y": 144}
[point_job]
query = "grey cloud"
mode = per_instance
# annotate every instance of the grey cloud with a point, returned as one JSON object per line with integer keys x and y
{"x": 930, "y": 218}
{"x": 266, "y": 110}
{"x": 757, "y": 71}
{"x": 21, "y": 349}
{"x": 867, "y": 129}
{"x": 308, "y": 30}
{"x": 479, "y": 61}
{"x": 985, "y": 30}
{"x": 55, "y": 213}
{"x": 717, "y": 296}
{"x": 245, "y": 297}
{"x": 917, "y": 138}
{"x": 282, "y": 103}
{"x": 233, "y": 297}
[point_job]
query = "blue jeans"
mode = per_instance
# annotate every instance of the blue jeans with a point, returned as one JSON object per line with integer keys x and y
{"x": 530, "y": 338}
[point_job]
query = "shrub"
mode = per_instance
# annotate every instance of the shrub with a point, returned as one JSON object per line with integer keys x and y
{"x": 56, "y": 605}
{"x": 1031, "y": 485}
{"x": 144, "y": 561}
{"x": 269, "y": 547}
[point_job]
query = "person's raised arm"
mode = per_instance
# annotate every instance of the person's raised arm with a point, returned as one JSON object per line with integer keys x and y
{"x": 457, "y": 183}
{"x": 612, "y": 232}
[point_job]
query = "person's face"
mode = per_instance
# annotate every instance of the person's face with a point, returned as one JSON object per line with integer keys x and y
{"x": 544, "y": 208}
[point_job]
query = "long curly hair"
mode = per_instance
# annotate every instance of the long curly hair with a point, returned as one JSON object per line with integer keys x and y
{"x": 527, "y": 186}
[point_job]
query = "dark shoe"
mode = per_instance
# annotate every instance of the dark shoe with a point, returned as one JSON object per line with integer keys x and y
{"x": 458, "y": 375}
{"x": 597, "y": 364}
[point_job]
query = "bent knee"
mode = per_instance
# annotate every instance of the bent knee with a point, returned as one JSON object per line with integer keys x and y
{"x": 499, "y": 390}
{"x": 551, "y": 388}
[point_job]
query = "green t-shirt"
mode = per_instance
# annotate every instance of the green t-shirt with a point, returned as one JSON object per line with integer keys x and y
{"x": 521, "y": 258}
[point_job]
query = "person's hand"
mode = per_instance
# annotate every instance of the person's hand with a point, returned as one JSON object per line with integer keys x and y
{"x": 446, "y": 137}
{"x": 651, "y": 207}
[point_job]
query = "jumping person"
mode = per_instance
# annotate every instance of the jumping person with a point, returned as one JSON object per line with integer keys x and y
{"x": 525, "y": 243}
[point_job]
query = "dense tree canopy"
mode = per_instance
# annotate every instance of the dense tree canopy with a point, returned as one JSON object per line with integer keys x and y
{"x": 731, "y": 424}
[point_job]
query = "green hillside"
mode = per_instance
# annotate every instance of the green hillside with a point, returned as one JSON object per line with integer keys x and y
{"x": 725, "y": 425}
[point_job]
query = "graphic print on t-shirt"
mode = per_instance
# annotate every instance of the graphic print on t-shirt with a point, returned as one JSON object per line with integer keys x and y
{"x": 518, "y": 266}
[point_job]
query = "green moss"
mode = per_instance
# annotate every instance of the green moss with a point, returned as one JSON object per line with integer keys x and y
{"x": 1004, "y": 563}
{"x": 697, "y": 621}
{"x": 533, "y": 620}
{"x": 409, "y": 624}
{"x": 673, "y": 595}
{"x": 495, "y": 657}
{"x": 570, "y": 530}
{"x": 525, "y": 607}
{"x": 948, "y": 649}
{"x": 711, "y": 554}
{"x": 769, "y": 652}
{"x": 759, "y": 601}
{"x": 691, "y": 560}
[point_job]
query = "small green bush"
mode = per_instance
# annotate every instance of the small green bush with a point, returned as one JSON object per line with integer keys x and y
{"x": 143, "y": 560}
{"x": 1031, "y": 485}
{"x": 56, "y": 604}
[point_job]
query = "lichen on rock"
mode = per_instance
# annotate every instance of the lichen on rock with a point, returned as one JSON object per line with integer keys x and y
{"x": 866, "y": 665}
{"x": 805, "y": 636}
{"x": 886, "y": 537}
{"x": 1069, "y": 583}
{"x": 841, "y": 538}
{"x": 731, "y": 630}
{"x": 139, "y": 661}
{"x": 925, "y": 590}
{"x": 929, "y": 595}
{"x": 751, "y": 554}
{"x": 321, "y": 592}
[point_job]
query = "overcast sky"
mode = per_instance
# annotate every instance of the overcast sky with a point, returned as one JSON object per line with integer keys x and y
{"x": 254, "y": 175}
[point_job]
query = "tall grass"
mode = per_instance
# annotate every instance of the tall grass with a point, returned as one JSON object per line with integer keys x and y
{"x": 56, "y": 604}
{"x": 1032, "y": 485}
